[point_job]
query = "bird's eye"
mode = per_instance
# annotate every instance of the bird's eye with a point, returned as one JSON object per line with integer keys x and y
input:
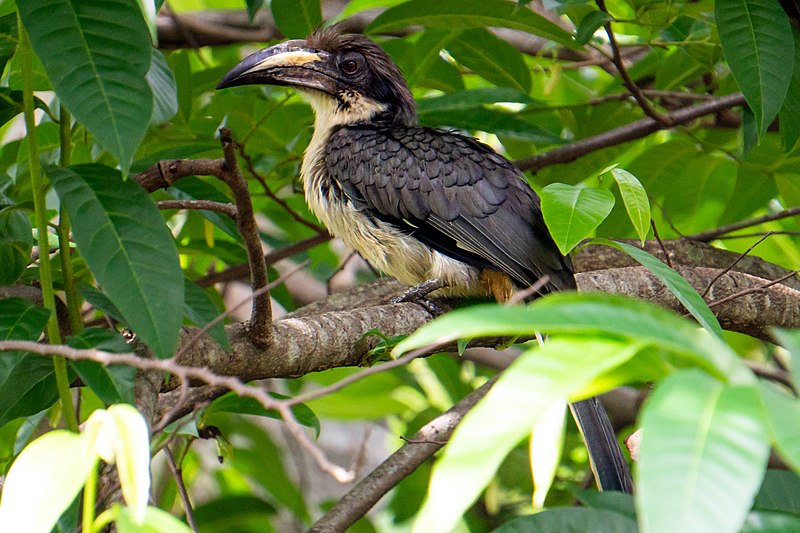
{"x": 349, "y": 66}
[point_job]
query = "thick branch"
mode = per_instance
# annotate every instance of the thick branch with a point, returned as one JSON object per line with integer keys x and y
{"x": 634, "y": 130}
{"x": 261, "y": 314}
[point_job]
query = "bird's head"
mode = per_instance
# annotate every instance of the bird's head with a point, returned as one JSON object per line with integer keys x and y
{"x": 348, "y": 75}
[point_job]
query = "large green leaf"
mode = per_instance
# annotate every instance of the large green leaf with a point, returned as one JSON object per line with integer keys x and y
{"x": 676, "y": 284}
{"x": 296, "y": 18}
{"x": 491, "y": 58}
{"x": 27, "y": 382}
{"x": 462, "y": 100}
{"x": 231, "y": 403}
{"x": 790, "y": 112}
{"x": 491, "y": 120}
{"x": 455, "y": 14}
{"x": 755, "y": 37}
{"x": 571, "y": 520}
{"x": 780, "y": 491}
{"x": 16, "y": 239}
{"x": 162, "y": 84}
{"x": 553, "y": 372}
{"x": 97, "y": 55}
{"x": 702, "y": 456}
{"x": 572, "y": 213}
{"x": 586, "y": 314}
{"x": 781, "y": 413}
{"x": 129, "y": 249}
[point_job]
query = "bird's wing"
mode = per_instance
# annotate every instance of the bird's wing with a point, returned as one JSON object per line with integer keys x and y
{"x": 451, "y": 192}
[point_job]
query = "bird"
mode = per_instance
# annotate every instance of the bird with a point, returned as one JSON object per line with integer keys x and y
{"x": 438, "y": 210}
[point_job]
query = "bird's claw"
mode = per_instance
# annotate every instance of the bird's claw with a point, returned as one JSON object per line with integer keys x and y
{"x": 418, "y": 294}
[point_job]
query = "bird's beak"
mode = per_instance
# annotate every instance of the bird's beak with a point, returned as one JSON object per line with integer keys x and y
{"x": 291, "y": 63}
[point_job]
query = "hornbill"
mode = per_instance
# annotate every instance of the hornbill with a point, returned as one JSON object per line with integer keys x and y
{"x": 432, "y": 208}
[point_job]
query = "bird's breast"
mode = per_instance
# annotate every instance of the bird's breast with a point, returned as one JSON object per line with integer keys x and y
{"x": 385, "y": 246}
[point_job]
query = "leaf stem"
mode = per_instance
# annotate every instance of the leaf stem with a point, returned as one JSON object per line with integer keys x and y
{"x": 38, "y": 187}
{"x": 89, "y": 500}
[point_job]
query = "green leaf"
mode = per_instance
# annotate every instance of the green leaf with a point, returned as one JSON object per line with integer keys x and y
{"x": 589, "y": 24}
{"x": 492, "y": 121}
{"x": 491, "y": 58}
{"x": 702, "y": 457}
{"x": 538, "y": 378}
{"x": 252, "y": 8}
{"x": 790, "y": 340}
{"x": 113, "y": 383}
{"x": 216, "y": 515}
{"x": 780, "y": 491}
{"x": 296, "y": 18}
{"x": 97, "y": 55}
{"x": 573, "y": 213}
{"x": 610, "y": 500}
{"x": 27, "y": 382}
{"x": 587, "y": 314}
{"x": 154, "y": 521}
{"x": 754, "y": 36}
{"x": 201, "y": 309}
{"x": 571, "y": 520}
{"x": 41, "y": 483}
{"x": 789, "y": 116}
{"x": 165, "y": 92}
{"x": 424, "y": 54}
{"x": 231, "y": 403}
{"x": 463, "y": 100}
{"x": 193, "y": 188}
{"x": 100, "y": 301}
{"x": 128, "y": 248}
{"x": 770, "y": 522}
{"x": 676, "y": 284}
{"x": 455, "y": 14}
{"x": 781, "y": 413}
{"x": 635, "y": 199}
{"x": 16, "y": 240}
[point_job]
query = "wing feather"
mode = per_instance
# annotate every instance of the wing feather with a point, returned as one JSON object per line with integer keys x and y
{"x": 451, "y": 192}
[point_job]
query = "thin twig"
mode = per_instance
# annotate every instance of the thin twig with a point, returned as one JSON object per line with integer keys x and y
{"x": 752, "y": 290}
{"x": 200, "y": 205}
{"x": 427, "y": 441}
{"x": 242, "y": 270}
{"x": 261, "y": 313}
{"x": 339, "y": 269}
{"x": 522, "y": 295}
{"x": 178, "y": 475}
{"x": 735, "y": 262}
{"x": 759, "y": 234}
{"x": 636, "y": 92}
{"x": 660, "y": 243}
{"x": 710, "y": 235}
{"x": 634, "y": 130}
{"x": 274, "y": 197}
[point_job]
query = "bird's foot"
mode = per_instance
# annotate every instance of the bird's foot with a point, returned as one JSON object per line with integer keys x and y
{"x": 418, "y": 294}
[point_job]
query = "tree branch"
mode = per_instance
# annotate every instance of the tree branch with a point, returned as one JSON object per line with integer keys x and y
{"x": 634, "y": 130}
{"x": 261, "y": 313}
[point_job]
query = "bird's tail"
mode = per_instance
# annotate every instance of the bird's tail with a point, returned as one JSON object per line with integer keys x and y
{"x": 605, "y": 456}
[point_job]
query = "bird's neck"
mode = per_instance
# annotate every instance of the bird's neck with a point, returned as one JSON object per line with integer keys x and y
{"x": 330, "y": 113}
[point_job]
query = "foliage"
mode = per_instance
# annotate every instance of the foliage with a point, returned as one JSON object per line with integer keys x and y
{"x": 109, "y": 105}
